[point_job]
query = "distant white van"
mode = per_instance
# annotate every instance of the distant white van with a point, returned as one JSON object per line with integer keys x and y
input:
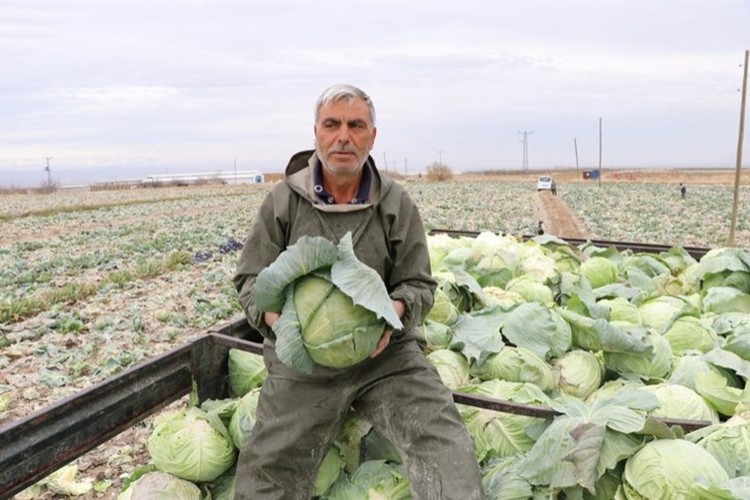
{"x": 544, "y": 183}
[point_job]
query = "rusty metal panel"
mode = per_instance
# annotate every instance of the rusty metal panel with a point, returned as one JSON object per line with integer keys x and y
{"x": 35, "y": 446}
{"x": 695, "y": 252}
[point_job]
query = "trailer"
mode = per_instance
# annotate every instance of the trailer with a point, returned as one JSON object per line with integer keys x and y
{"x": 35, "y": 446}
{"x": 693, "y": 251}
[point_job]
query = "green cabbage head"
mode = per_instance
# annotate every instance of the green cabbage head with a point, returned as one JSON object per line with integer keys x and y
{"x": 516, "y": 364}
{"x": 599, "y": 271}
{"x": 244, "y": 417}
{"x": 452, "y": 366}
{"x": 159, "y": 485}
{"x": 246, "y": 371}
{"x": 187, "y": 445}
{"x": 679, "y": 402}
{"x": 578, "y": 372}
{"x": 373, "y": 479}
{"x": 670, "y": 468}
{"x": 443, "y": 311}
{"x": 333, "y": 307}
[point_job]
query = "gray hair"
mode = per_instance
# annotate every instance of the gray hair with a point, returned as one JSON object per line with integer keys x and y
{"x": 343, "y": 93}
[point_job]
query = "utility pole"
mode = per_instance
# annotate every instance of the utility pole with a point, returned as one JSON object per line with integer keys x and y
{"x": 440, "y": 156}
{"x": 739, "y": 154}
{"x": 525, "y": 165}
{"x": 575, "y": 147}
{"x": 600, "y": 150}
{"x": 49, "y": 172}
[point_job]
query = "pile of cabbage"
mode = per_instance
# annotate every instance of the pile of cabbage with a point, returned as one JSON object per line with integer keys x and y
{"x": 194, "y": 452}
{"x": 621, "y": 345}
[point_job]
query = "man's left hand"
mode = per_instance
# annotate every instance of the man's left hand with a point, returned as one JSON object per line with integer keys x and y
{"x": 400, "y": 308}
{"x": 382, "y": 343}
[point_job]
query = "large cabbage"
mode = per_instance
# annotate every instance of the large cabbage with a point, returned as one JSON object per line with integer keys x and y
{"x": 436, "y": 336}
{"x": 722, "y": 299}
{"x": 516, "y": 364}
{"x": 495, "y": 296}
{"x": 659, "y": 312}
{"x": 688, "y": 333}
{"x": 728, "y": 442}
{"x": 161, "y": 486}
{"x": 373, "y": 479}
{"x": 539, "y": 329}
{"x": 452, "y": 366}
{"x": 670, "y": 468}
{"x": 599, "y": 271}
{"x": 443, "y": 311}
{"x": 654, "y": 363}
{"x": 679, "y": 402}
{"x": 621, "y": 310}
{"x": 501, "y": 434}
{"x": 578, "y": 373}
{"x": 244, "y": 417}
{"x": 187, "y": 445}
{"x": 531, "y": 290}
{"x": 329, "y": 471}
{"x": 246, "y": 371}
{"x": 501, "y": 482}
{"x": 722, "y": 267}
{"x": 333, "y": 307}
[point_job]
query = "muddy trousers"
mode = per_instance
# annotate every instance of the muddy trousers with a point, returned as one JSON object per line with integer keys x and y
{"x": 398, "y": 392}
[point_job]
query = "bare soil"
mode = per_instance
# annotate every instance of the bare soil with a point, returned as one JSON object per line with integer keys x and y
{"x": 559, "y": 219}
{"x": 675, "y": 176}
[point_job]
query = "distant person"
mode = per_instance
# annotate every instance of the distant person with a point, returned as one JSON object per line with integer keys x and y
{"x": 683, "y": 190}
{"x": 553, "y": 186}
{"x": 541, "y": 229}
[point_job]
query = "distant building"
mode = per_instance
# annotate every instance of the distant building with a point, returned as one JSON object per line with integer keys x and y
{"x": 238, "y": 177}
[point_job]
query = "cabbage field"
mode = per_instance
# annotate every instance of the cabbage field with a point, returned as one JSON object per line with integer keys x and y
{"x": 93, "y": 283}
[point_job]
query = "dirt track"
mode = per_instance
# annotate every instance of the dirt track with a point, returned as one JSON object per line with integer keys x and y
{"x": 559, "y": 219}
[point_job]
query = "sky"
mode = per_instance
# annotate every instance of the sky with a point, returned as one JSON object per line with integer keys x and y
{"x": 102, "y": 90}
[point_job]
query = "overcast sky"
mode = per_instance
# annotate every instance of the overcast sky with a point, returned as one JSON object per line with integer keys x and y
{"x": 115, "y": 89}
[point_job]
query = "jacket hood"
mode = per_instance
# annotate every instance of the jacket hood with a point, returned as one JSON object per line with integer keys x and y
{"x": 299, "y": 178}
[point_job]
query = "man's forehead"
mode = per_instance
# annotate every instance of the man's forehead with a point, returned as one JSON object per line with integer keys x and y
{"x": 345, "y": 110}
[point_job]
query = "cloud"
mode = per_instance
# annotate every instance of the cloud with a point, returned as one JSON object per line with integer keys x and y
{"x": 197, "y": 83}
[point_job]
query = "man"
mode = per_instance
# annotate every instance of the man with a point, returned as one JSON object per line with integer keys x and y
{"x": 334, "y": 190}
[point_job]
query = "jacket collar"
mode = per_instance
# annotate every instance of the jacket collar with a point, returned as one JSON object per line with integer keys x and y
{"x": 301, "y": 178}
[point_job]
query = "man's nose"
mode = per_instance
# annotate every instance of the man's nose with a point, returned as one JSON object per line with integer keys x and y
{"x": 343, "y": 135}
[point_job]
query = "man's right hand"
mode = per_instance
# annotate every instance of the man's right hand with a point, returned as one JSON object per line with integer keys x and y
{"x": 270, "y": 318}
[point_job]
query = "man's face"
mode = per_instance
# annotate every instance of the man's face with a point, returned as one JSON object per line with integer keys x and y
{"x": 344, "y": 136}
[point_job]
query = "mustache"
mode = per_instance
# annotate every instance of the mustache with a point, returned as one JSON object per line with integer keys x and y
{"x": 345, "y": 148}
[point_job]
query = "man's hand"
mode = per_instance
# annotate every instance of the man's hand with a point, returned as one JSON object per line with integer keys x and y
{"x": 382, "y": 343}
{"x": 400, "y": 308}
{"x": 270, "y": 318}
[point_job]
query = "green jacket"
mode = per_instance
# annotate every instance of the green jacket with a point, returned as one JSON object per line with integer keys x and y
{"x": 387, "y": 232}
